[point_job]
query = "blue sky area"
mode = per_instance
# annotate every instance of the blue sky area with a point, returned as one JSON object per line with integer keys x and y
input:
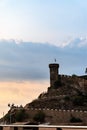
{"x": 53, "y": 21}
{"x": 35, "y": 32}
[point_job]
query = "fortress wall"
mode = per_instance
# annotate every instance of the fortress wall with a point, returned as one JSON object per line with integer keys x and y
{"x": 60, "y": 116}
{"x": 80, "y": 82}
{"x": 73, "y": 78}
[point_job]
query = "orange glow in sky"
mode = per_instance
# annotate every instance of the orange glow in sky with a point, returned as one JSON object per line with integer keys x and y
{"x": 19, "y": 93}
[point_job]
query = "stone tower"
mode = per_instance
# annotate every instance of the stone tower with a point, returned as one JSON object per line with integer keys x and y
{"x": 53, "y": 73}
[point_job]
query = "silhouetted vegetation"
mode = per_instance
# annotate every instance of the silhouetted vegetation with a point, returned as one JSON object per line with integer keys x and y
{"x": 74, "y": 75}
{"x": 66, "y": 98}
{"x": 78, "y": 100}
{"x": 20, "y": 115}
{"x": 7, "y": 118}
{"x": 39, "y": 117}
{"x": 75, "y": 119}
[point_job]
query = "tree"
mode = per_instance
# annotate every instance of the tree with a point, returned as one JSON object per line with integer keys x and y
{"x": 20, "y": 115}
{"x": 39, "y": 116}
{"x": 75, "y": 119}
{"x": 74, "y": 75}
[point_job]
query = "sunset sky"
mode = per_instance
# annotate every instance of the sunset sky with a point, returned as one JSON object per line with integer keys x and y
{"x": 32, "y": 34}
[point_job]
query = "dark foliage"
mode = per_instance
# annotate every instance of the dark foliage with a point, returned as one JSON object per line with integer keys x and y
{"x": 21, "y": 115}
{"x": 67, "y": 98}
{"x": 75, "y": 120}
{"x": 39, "y": 117}
{"x": 78, "y": 101}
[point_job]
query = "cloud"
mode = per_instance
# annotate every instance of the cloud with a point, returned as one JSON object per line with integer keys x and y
{"x": 26, "y": 65}
{"x": 22, "y": 61}
{"x": 76, "y": 42}
{"x": 29, "y": 61}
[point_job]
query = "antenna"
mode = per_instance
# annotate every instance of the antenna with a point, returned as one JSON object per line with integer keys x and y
{"x": 55, "y": 59}
{"x": 86, "y": 70}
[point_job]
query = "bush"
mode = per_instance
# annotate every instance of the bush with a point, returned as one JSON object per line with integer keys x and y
{"x": 7, "y": 118}
{"x": 20, "y": 115}
{"x": 75, "y": 120}
{"x": 74, "y": 75}
{"x": 78, "y": 101}
{"x": 39, "y": 117}
{"x": 67, "y": 98}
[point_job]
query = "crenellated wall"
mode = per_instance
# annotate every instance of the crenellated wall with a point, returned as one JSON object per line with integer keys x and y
{"x": 58, "y": 116}
{"x": 76, "y": 81}
{"x": 79, "y": 79}
{"x": 54, "y": 76}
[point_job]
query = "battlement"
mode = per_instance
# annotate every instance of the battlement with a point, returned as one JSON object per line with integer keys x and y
{"x": 61, "y": 116}
{"x": 79, "y": 78}
{"x": 55, "y": 65}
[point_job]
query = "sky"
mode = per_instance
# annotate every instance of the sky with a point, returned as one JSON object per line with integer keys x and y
{"x": 32, "y": 34}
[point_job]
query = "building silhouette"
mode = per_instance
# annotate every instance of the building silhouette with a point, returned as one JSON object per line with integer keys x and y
{"x": 54, "y": 72}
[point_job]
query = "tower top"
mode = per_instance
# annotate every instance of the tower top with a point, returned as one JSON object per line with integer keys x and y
{"x": 52, "y": 65}
{"x": 54, "y": 72}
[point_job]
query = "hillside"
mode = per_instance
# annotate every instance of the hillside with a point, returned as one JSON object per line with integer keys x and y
{"x": 69, "y": 92}
{"x": 65, "y": 102}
